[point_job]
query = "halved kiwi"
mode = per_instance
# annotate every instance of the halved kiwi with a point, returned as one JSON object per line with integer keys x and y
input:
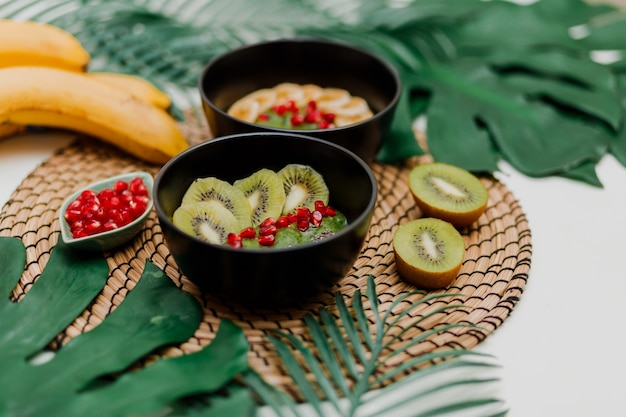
{"x": 303, "y": 186}
{"x": 428, "y": 252}
{"x": 213, "y": 189}
{"x": 448, "y": 192}
{"x": 209, "y": 221}
{"x": 265, "y": 193}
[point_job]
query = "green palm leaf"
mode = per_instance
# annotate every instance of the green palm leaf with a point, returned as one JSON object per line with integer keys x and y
{"x": 339, "y": 370}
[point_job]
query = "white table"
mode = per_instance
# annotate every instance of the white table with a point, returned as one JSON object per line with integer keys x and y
{"x": 561, "y": 349}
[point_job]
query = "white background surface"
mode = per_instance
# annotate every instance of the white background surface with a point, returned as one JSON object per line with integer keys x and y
{"x": 561, "y": 350}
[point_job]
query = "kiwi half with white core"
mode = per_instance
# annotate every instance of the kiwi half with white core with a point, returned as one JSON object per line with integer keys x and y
{"x": 428, "y": 252}
{"x": 303, "y": 186}
{"x": 448, "y": 192}
{"x": 206, "y": 220}
{"x": 230, "y": 197}
{"x": 265, "y": 193}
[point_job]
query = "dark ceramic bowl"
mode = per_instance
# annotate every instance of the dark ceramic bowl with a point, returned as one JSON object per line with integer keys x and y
{"x": 268, "y": 276}
{"x": 237, "y": 73}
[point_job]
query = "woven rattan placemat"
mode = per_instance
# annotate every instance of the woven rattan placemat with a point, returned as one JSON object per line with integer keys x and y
{"x": 492, "y": 278}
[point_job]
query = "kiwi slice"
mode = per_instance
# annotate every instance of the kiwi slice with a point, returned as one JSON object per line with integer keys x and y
{"x": 303, "y": 186}
{"x": 428, "y": 252}
{"x": 448, "y": 192}
{"x": 209, "y": 221}
{"x": 265, "y": 193}
{"x": 213, "y": 189}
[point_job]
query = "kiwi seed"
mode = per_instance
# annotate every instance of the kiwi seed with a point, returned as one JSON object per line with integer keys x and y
{"x": 265, "y": 193}
{"x": 428, "y": 252}
{"x": 448, "y": 192}
{"x": 303, "y": 186}
{"x": 209, "y": 221}
{"x": 213, "y": 189}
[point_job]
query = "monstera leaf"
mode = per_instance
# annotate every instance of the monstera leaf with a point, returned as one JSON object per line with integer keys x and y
{"x": 496, "y": 81}
{"x": 104, "y": 371}
{"x": 92, "y": 375}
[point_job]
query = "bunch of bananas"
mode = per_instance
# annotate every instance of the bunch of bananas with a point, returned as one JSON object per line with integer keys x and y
{"x": 44, "y": 81}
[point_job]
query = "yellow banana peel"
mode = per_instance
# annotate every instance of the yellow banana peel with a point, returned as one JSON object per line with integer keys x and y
{"x": 34, "y": 43}
{"x": 137, "y": 86}
{"x": 44, "y": 96}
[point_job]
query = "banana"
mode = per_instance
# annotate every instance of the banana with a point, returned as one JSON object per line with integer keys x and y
{"x": 245, "y": 109}
{"x": 10, "y": 129}
{"x": 333, "y": 98}
{"x": 33, "y": 43}
{"x": 288, "y": 91}
{"x": 265, "y": 97}
{"x": 43, "y": 96}
{"x": 138, "y": 87}
{"x": 310, "y": 92}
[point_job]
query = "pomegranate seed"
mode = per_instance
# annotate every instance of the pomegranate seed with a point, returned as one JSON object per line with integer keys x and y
{"x": 106, "y": 194}
{"x": 291, "y": 106}
{"x": 109, "y": 225}
{"x": 282, "y": 222}
{"x": 281, "y": 109}
{"x": 323, "y": 124}
{"x": 126, "y": 196}
{"x": 101, "y": 214}
{"x": 78, "y": 233}
{"x": 296, "y": 119}
{"x": 268, "y": 230}
{"x": 319, "y": 205}
{"x": 91, "y": 207}
{"x": 267, "y": 240}
{"x": 116, "y": 202}
{"x": 118, "y": 218}
{"x": 73, "y": 215}
{"x": 263, "y": 117}
{"x": 267, "y": 222}
{"x": 314, "y": 116}
{"x": 292, "y": 218}
{"x": 137, "y": 187}
{"x": 234, "y": 240}
{"x": 75, "y": 205}
{"x": 329, "y": 117}
{"x": 93, "y": 226}
{"x": 302, "y": 224}
{"x": 303, "y": 213}
{"x": 330, "y": 212}
{"x": 248, "y": 233}
{"x": 316, "y": 218}
{"x": 88, "y": 195}
{"x": 311, "y": 105}
{"x": 120, "y": 186}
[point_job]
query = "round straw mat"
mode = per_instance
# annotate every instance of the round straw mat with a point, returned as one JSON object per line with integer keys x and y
{"x": 489, "y": 285}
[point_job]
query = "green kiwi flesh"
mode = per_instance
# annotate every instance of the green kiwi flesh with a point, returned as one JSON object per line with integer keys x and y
{"x": 303, "y": 186}
{"x": 213, "y": 189}
{"x": 448, "y": 192}
{"x": 428, "y": 252}
{"x": 265, "y": 193}
{"x": 206, "y": 220}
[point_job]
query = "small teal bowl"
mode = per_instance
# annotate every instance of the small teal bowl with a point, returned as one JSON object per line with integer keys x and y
{"x": 112, "y": 238}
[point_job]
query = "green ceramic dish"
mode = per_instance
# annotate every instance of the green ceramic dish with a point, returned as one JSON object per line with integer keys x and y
{"x": 113, "y": 238}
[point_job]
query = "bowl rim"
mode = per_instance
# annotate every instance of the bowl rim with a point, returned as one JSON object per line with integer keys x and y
{"x": 303, "y": 40}
{"x": 367, "y": 212}
{"x": 98, "y": 186}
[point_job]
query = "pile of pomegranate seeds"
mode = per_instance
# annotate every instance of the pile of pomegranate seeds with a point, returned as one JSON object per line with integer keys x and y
{"x": 109, "y": 209}
{"x": 310, "y": 115}
{"x": 303, "y": 219}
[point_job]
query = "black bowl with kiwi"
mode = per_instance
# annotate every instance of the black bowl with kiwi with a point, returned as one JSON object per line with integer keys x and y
{"x": 264, "y": 276}
{"x": 329, "y": 65}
